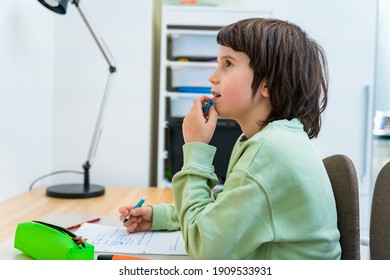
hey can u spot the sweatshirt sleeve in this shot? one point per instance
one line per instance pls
(228, 227)
(164, 217)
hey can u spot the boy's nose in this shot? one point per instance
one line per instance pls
(213, 78)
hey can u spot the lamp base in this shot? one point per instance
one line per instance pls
(74, 191)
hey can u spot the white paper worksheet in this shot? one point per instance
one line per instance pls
(116, 239)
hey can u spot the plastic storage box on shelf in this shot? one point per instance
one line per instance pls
(185, 76)
(179, 106)
(192, 44)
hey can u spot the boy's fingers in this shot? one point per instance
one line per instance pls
(132, 227)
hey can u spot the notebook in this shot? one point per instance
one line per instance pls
(116, 239)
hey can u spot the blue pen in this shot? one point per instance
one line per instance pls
(207, 106)
(138, 205)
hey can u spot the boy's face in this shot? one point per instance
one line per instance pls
(231, 87)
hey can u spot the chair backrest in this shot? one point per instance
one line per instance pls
(343, 177)
(380, 216)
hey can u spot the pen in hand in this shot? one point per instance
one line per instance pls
(138, 205)
(207, 106)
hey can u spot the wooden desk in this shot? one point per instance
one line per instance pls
(35, 205)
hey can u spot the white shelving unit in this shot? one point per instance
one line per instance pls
(188, 57)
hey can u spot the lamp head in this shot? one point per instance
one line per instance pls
(57, 6)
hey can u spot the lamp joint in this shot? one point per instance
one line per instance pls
(112, 69)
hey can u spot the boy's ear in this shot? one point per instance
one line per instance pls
(264, 89)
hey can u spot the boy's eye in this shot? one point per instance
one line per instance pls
(228, 63)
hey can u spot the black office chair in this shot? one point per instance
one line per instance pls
(380, 216)
(343, 177)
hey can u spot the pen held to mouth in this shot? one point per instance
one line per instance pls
(207, 106)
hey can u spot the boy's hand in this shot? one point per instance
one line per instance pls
(199, 126)
(140, 218)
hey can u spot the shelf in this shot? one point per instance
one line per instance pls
(195, 64)
(176, 95)
(196, 32)
(207, 16)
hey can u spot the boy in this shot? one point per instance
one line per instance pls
(277, 201)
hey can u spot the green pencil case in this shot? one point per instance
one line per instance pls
(43, 241)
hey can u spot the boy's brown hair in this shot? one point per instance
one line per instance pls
(292, 66)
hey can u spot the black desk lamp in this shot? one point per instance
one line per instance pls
(86, 189)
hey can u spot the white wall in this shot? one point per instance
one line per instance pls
(25, 94)
(80, 74)
(382, 101)
(52, 79)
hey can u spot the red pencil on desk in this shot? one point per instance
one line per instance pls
(79, 225)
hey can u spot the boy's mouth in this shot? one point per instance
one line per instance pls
(215, 94)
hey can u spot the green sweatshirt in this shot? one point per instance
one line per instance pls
(276, 203)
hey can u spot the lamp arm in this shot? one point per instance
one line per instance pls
(98, 126)
(112, 69)
(99, 40)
